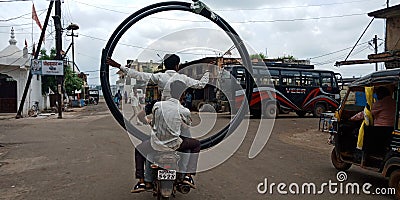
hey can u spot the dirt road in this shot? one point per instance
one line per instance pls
(87, 155)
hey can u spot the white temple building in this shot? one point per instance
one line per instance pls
(14, 71)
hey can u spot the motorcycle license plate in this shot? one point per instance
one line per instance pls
(166, 175)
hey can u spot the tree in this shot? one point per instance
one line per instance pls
(288, 57)
(258, 56)
(71, 81)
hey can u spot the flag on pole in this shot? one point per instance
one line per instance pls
(35, 17)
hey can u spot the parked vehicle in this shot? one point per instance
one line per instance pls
(164, 175)
(380, 151)
(281, 89)
(94, 97)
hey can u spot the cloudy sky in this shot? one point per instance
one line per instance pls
(322, 31)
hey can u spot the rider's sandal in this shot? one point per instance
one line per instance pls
(139, 187)
(189, 180)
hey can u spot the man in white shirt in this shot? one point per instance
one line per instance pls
(168, 118)
(135, 105)
(171, 63)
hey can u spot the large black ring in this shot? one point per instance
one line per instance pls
(169, 6)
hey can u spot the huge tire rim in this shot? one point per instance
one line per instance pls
(171, 6)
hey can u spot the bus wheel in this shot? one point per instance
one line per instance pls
(337, 163)
(301, 113)
(318, 110)
(271, 111)
(394, 182)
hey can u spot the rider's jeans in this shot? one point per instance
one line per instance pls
(188, 145)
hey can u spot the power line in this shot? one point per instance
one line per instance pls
(291, 7)
(145, 48)
(7, 1)
(238, 22)
(327, 54)
(15, 25)
(298, 19)
(341, 57)
(10, 54)
(21, 16)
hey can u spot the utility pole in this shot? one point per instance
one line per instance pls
(375, 40)
(28, 82)
(71, 28)
(60, 79)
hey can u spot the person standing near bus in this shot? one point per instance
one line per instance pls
(188, 100)
(118, 98)
(135, 106)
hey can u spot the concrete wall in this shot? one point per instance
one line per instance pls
(35, 89)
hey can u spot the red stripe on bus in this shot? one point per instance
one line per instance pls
(311, 93)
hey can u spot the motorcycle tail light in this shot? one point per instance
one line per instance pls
(167, 167)
(154, 166)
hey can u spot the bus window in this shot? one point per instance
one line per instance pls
(326, 79)
(310, 79)
(274, 76)
(334, 81)
(264, 78)
(241, 75)
(291, 78)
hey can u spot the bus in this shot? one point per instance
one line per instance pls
(281, 89)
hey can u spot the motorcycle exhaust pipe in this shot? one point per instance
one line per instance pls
(183, 188)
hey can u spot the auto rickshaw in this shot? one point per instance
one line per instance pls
(94, 96)
(380, 145)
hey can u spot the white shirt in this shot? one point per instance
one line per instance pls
(168, 117)
(134, 101)
(163, 80)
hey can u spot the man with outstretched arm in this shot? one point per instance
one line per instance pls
(171, 63)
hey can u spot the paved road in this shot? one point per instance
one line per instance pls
(87, 155)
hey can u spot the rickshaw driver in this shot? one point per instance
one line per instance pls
(382, 110)
(382, 116)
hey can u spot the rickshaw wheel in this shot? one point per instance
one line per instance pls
(337, 163)
(394, 182)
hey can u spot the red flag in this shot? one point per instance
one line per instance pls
(35, 17)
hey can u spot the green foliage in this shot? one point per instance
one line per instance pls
(288, 57)
(258, 56)
(71, 80)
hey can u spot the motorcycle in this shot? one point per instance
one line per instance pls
(92, 100)
(162, 170)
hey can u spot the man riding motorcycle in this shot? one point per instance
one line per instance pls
(168, 118)
(163, 80)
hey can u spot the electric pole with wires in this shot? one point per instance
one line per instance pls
(58, 38)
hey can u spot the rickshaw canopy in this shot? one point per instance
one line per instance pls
(378, 78)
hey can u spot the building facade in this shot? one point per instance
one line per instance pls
(14, 71)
